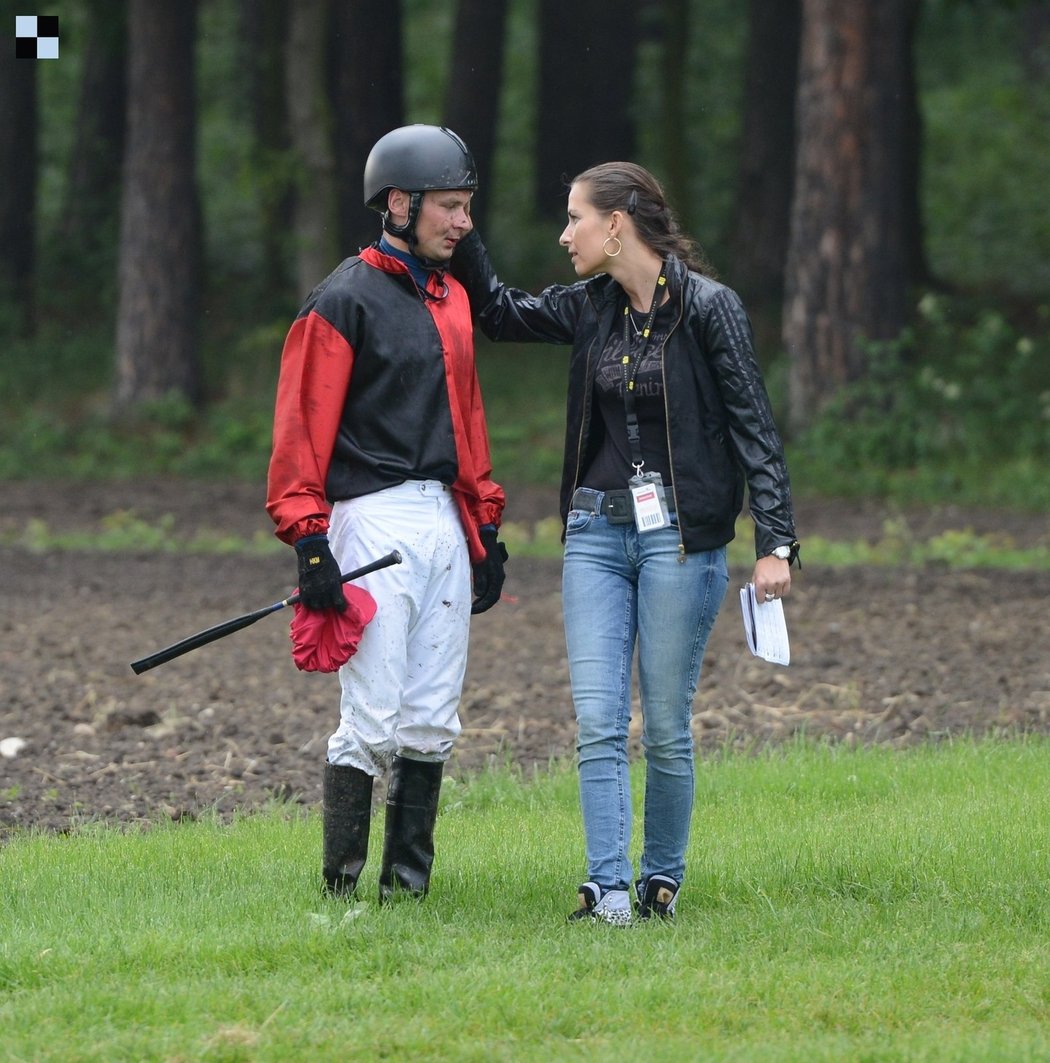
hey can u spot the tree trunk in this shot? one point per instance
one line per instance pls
(310, 118)
(160, 226)
(913, 226)
(1035, 43)
(587, 60)
(472, 97)
(18, 149)
(847, 271)
(264, 32)
(368, 101)
(762, 217)
(92, 206)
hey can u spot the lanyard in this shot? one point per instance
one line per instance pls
(630, 372)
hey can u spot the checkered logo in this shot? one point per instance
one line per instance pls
(36, 36)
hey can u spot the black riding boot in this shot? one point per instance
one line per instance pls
(411, 811)
(347, 814)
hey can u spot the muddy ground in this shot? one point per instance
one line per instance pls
(878, 655)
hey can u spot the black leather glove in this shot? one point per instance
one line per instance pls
(320, 583)
(489, 574)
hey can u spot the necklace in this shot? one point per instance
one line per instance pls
(629, 371)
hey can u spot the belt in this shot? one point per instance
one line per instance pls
(615, 506)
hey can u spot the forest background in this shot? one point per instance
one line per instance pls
(868, 174)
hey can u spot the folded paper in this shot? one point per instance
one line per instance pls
(765, 627)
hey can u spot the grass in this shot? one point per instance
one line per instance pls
(861, 905)
(125, 530)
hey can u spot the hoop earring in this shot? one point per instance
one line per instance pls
(619, 247)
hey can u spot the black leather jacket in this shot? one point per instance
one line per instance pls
(720, 426)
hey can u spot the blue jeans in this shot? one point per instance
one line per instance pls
(620, 587)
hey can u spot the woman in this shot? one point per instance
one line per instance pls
(667, 415)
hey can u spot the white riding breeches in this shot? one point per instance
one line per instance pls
(401, 690)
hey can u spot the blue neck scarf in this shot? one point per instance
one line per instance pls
(419, 272)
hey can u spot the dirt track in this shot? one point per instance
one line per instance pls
(878, 655)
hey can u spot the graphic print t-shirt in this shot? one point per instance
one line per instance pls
(612, 466)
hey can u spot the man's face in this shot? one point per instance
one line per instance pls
(444, 219)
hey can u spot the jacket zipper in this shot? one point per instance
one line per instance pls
(667, 423)
(585, 414)
(583, 423)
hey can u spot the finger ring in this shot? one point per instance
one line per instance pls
(770, 597)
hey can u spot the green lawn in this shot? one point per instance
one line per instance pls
(840, 905)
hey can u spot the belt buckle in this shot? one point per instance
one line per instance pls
(617, 506)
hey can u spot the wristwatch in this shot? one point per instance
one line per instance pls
(788, 553)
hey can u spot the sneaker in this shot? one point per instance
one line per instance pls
(656, 897)
(602, 906)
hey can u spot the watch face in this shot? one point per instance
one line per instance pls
(783, 552)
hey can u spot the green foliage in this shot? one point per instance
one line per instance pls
(427, 41)
(959, 409)
(954, 548)
(985, 147)
(230, 440)
(540, 539)
(524, 391)
(822, 938)
(124, 531)
(526, 250)
(713, 98)
(58, 97)
(232, 185)
(60, 369)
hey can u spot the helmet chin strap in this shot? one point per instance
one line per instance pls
(407, 232)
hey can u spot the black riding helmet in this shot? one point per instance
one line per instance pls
(416, 159)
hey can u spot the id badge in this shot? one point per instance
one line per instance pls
(650, 501)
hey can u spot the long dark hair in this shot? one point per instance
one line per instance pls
(633, 189)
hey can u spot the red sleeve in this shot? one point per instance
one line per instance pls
(480, 498)
(490, 495)
(311, 391)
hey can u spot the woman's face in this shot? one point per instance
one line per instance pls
(585, 235)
